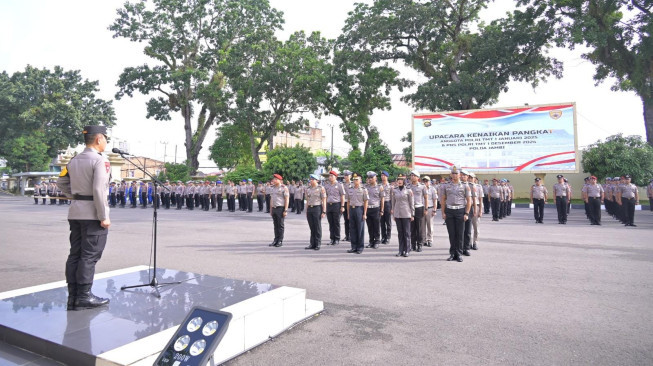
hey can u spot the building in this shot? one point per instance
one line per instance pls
(130, 171)
(311, 138)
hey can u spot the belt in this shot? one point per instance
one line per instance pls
(314, 206)
(278, 206)
(80, 197)
(372, 206)
(454, 207)
(418, 206)
(355, 206)
(561, 196)
(596, 198)
(333, 203)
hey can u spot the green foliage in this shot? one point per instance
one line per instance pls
(408, 150)
(334, 163)
(377, 158)
(620, 155)
(246, 172)
(231, 148)
(618, 35)
(189, 41)
(45, 111)
(293, 163)
(467, 63)
(175, 172)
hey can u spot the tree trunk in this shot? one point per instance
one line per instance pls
(186, 113)
(648, 119)
(252, 146)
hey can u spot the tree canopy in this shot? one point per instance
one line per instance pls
(293, 163)
(619, 155)
(231, 148)
(43, 111)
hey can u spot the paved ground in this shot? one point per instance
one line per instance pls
(533, 294)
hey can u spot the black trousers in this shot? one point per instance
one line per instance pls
(242, 202)
(212, 196)
(386, 221)
(345, 215)
(260, 199)
(496, 205)
(403, 233)
(197, 200)
(594, 208)
(205, 202)
(133, 198)
(650, 203)
(291, 203)
(173, 198)
(267, 203)
(219, 202)
(190, 202)
(112, 199)
(416, 228)
(166, 199)
(456, 228)
(374, 224)
(628, 210)
(486, 204)
(333, 217)
(314, 218)
(357, 228)
(538, 209)
(561, 206)
(467, 242)
(503, 210)
(144, 199)
(231, 202)
(87, 241)
(179, 200)
(250, 202)
(508, 207)
(278, 222)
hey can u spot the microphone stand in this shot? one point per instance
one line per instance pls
(154, 283)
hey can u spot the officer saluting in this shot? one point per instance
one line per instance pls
(86, 178)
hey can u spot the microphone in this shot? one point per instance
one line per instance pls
(116, 150)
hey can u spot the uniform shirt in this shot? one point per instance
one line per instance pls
(87, 174)
(375, 194)
(486, 189)
(346, 187)
(334, 191)
(494, 191)
(593, 190)
(387, 192)
(249, 188)
(628, 190)
(403, 204)
(357, 196)
(292, 189)
(260, 190)
(456, 194)
(278, 195)
(479, 194)
(472, 189)
(560, 189)
(431, 193)
(314, 195)
(419, 190)
(299, 192)
(539, 192)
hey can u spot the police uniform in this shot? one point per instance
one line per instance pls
(456, 201)
(562, 193)
(649, 193)
(86, 178)
(179, 194)
(594, 194)
(299, 197)
(628, 198)
(220, 192)
(374, 208)
(417, 225)
(403, 211)
(486, 198)
(467, 242)
(386, 217)
(112, 194)
(279, 200)
(43, 191)
(357, 201)
(430, 209)
(495, 199)
(478, 212)
(260, 196)
(346, 184)
(335, 203)
(316, 202)
(249, 193)
(267, 197)
(539, 196)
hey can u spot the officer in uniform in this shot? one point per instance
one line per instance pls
(299, 197)
(486, 197)
(478, 210)
(144, 189)
(279, 200)
(52, 192)
(628, 198)
(430, 210)
(456, 201)
(374, 210)
(649, 193)
(335, 205)
(417, 225)
(190, 195)
(220, 192)
(357, 201)
(316, 201)
(495, 198)
(593, 196)
(291, 191)
(562, 193)
(179, 194)
(260, 195)
(132, 194)
(467, 242)
(86, 179)
(386, 216)
(166, 193)
(122, 188)
(539, 196)
(112, 194)
(511, 195)
(43, 192)
(267, 196)
(609, 198)
(346, 184)
(249, 193)
(231, 196)
(403, 211)
(36, 193)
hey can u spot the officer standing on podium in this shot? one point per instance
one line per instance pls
(86, 179)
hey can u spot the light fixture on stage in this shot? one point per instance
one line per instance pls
(191, 347)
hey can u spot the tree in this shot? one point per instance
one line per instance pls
(408, 150)
(618, 33)
(273, 85)
(45, 111)
(293, 163)
(246, 172)
(189, 40)
(175, 172)
(377, 159)
(231, 148)
(619, 155)
(467, 63)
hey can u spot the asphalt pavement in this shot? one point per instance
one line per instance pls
(532, 294)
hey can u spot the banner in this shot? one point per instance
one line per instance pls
(518, 140)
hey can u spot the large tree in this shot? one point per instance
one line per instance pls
(231, 148)
(619, 155)
(188, 40)
(293, 163)
(466, 63)
(43, 111)
(618, 34)
(274, 85)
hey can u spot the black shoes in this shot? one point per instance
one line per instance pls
(419, 248)
(72, 293)
(86, 300)
(346, 238)
(466, 253)
(309, 247)
(474, 247)
(384, 241)
(279, 244)
(274, 243)
(351, 251)
(451, 258)
(359, 252)
(459, 259)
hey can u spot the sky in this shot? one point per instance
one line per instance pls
(74, 35)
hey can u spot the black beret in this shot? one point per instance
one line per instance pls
(92, 130)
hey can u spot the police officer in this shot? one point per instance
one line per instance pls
(511, 195)
(132, 194)
(539, 196)
(346, 183)
(144, 191)
(386, 217)
(52, 192)
(86, 178)
(628, 198)
(374, 210)
(456, 201)
(335, 205)
(166, 193)
(562, 193)
(486, 197)
(467, 242)
(593, 195)
(279, 200)
(260, 195)
(403, 211)
(299, 197)
(417, 225)
(220, 192)
(37, 187)
(477, 205)
(43, 192)
(316, 201)
(430, 210)
(249, 195)
(495, 198)
(357, 201)
(112, 194)
(649, 193)
(122, 188)
(190, 195)
(267, 196)
(179, 194)
(291, 191)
